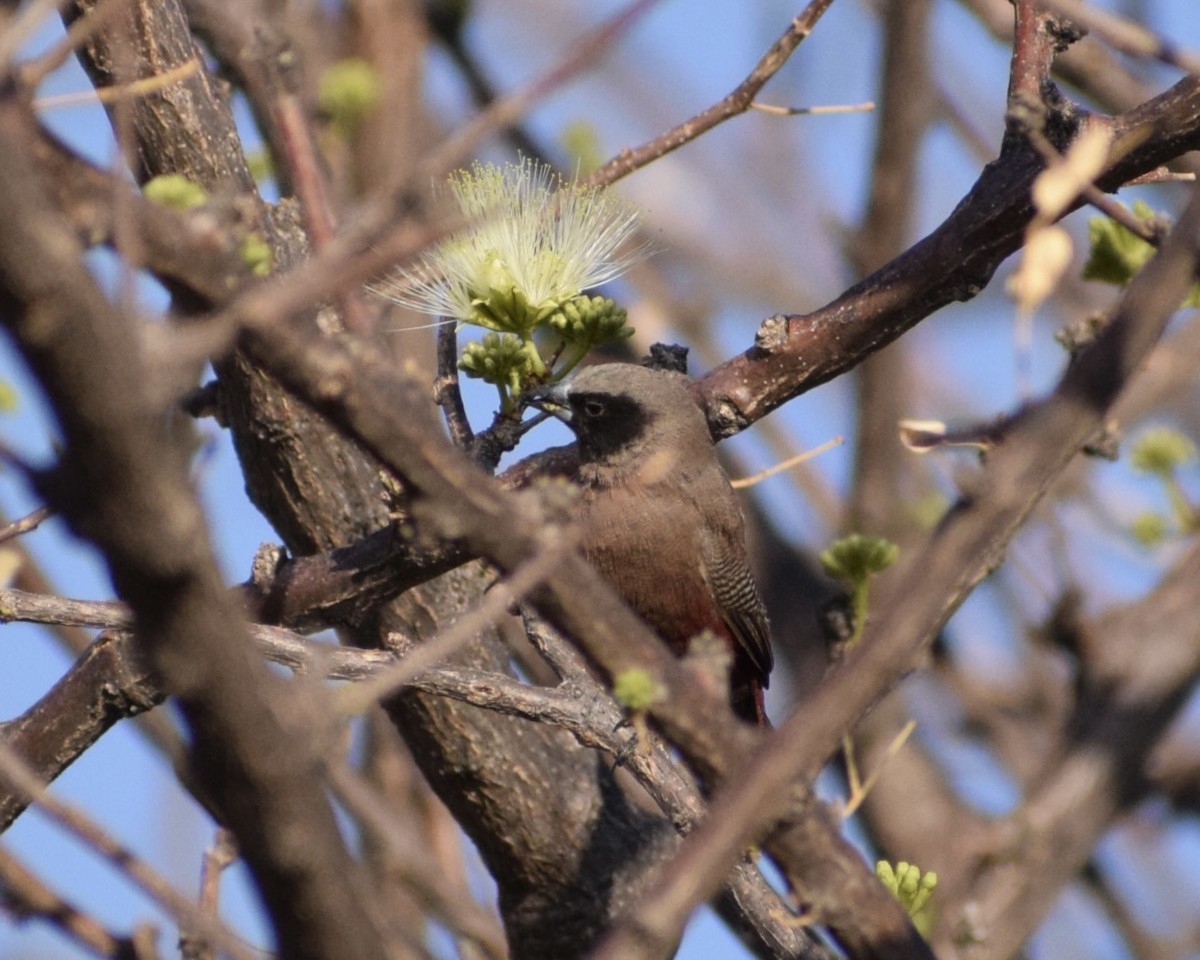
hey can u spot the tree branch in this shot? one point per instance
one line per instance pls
(123, 484)
(737, 102)
(793, 354)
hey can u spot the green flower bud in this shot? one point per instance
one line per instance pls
(636, 690)
(348, 92)
(501, 359)
(497, 303)
(1160, 450)
(855, 558)
(582, 144)
(1149, 529)
(590, 321)
(906, 882)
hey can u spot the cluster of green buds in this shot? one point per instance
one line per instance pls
(179, 193)
(519, 271)
(911, 887)
(503, 359)
(636, 690)
(348, 92)
(854, 560)
(584, 323)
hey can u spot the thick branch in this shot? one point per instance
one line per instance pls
(124, 485)
(795, 353)
(349, 383)
(923, 595)
(1144, 661)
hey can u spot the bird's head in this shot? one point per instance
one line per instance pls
(626, 416)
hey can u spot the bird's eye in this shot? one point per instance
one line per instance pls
(593, 408)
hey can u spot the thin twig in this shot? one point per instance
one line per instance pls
(445, 389)
(1125, 35)
(124, 91)
(859, 791)
(742, 483)
(20, 27)
(737, 102)
(507, 110)
(563, 658)
(217, 857)
(1162, 175)
(493, 606)
(26, 896)
(79, 32)
(1033, 54)
(602, 727)
(580, 705)
(26, 523)
(293, 136)
(466, 918)
(26, 607)
(1097, 197)
(778, 111)
(20, 778)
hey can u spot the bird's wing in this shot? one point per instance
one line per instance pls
(736, 593)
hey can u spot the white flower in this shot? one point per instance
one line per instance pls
(537, 242)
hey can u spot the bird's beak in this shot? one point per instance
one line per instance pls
(553, 399)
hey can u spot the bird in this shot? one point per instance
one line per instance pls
(659, 519)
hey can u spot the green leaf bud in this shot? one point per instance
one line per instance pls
(636, 690)
(1149, 529)
(174, 190)
(256, 254)
(855, 558)
(1160, 451)
(348, 92)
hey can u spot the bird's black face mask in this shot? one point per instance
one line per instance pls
(604, 423)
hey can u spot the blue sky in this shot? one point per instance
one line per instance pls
(684, 56)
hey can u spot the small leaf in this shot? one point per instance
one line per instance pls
(1117, 254)
(174, 190)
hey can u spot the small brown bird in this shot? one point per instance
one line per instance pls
(660, 521)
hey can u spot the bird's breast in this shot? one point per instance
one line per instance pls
(648, 550)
